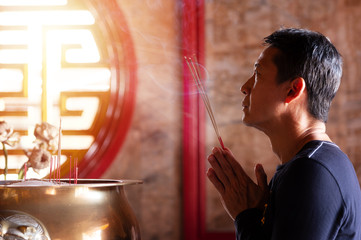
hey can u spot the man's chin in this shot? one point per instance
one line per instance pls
(247, 122)
(253, 124)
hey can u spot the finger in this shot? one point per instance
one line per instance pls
(235, 165)
(236, 175)
(222, 161)
(212, 176)
(219, 171)
(261, 177)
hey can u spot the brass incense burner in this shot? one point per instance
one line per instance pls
(91, 209)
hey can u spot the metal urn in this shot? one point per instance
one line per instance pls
(91, 209)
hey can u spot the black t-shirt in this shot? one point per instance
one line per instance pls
(316, 195)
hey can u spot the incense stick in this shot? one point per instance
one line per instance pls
(76, 171)
(196, 75)
(70, 169)
(59, 148)
(58, 170)
(51, 168)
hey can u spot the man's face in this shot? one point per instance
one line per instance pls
(264, 97)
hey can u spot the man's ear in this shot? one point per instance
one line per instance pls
(297, 87)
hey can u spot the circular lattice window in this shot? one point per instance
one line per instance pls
(70, 60)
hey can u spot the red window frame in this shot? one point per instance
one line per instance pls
(122, 101)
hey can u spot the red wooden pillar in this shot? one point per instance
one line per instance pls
(194, 156)
(193, 121)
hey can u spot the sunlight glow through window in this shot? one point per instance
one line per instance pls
(46, 55)
(33, 2)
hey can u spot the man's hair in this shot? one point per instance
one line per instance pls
(310, 55)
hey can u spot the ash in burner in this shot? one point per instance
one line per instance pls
(36, 182)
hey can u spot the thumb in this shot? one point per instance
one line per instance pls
(261, 177)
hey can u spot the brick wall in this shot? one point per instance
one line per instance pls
(234, 29)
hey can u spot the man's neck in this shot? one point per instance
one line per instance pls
(287, 142)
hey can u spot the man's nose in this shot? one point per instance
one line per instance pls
(245, 89)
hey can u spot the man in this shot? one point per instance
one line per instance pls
(314, 193)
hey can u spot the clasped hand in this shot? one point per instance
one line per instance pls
(238, 191)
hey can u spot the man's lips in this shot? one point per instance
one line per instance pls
(245, 106)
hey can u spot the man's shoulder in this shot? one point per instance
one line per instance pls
(320, 163)
(326, 154)
(321, 180)
(326, 159)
